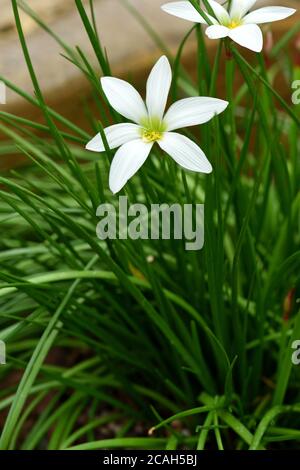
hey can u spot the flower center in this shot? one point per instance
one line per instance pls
(234, 24)
(152, 129)
(149, 135)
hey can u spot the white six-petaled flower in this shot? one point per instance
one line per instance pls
(238, 23)
(151, 124)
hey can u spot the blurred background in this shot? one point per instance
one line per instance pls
(130, 47)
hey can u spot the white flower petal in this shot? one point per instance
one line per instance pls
(116, 135)
(239, 8)
(185, 152)
(193, 111)
(249, 36)
(217, 32)
(186, 11)
(124, 98)
(219, 11)
(268, 14)
(126, 162)
(158, 87)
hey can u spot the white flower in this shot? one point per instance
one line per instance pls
(237, 23)
(151, 125)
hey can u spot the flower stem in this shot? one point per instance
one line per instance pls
(229, 74)
(212, 89)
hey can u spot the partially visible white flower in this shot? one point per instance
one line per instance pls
(237, 23)
(151, 125)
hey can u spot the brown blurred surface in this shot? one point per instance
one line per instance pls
(125, 39)
(130, 49)
(128, 44)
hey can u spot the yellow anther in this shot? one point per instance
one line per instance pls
(234, 24)
(151, 136)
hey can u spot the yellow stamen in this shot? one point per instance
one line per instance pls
(151, 136)
(234, 24)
